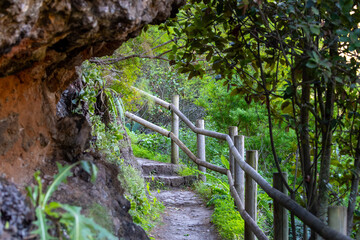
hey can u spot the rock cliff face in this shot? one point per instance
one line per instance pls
(41, 43)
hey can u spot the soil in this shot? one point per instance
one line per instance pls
(185, 217)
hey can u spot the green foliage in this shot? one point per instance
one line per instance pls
(265, 213)
(101, 95)
(100, 88)
(187, 171)
(225, 162)
(49, 215)
(217, 100)
(299, 60)
(150, 146)
(226, 218)
(107, 138)
(145, 209)
(104, 94)
(78, 226)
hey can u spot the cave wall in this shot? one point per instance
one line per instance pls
(41, 43)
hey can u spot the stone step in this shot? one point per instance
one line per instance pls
(160, 174)
(170, 181)
(158, 168)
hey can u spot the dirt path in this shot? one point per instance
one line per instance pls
(185, 217)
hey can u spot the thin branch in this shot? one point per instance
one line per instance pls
(109, 61)
(122, 58)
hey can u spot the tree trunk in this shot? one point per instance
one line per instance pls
(354, 188)
(305, 137)
(326, 153)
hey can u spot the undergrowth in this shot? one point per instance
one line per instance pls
(142, 152)
(187, 171)
(145, 208)
(225, 217)
(143, 146)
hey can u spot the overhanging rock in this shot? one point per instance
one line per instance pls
(41, 43)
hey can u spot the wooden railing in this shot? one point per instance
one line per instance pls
(249, 217)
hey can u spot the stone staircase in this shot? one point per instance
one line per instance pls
(160, 174)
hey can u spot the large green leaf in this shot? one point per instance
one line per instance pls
(225, 162)
(42, 226)
(64, 172)
(81, 227)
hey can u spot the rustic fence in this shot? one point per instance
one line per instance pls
(243, 178)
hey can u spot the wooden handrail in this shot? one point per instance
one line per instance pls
(181, 145)
(195, 129)
(247, 218)
(155, 99)
(148, 124)
(252, 224)
(307, 217)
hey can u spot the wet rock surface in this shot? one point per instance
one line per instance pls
(185, 218)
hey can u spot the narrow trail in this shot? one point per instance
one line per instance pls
(185, 218)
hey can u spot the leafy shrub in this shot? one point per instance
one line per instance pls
(226, 218)
(187, 171)
(142, 152)
(145, 209)
(147, 146)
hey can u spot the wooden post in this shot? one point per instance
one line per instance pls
(239, 173)
(201, 148)
(337, 217)
(175, 131)
(281, 222)
(251, 192)
(232, 132)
